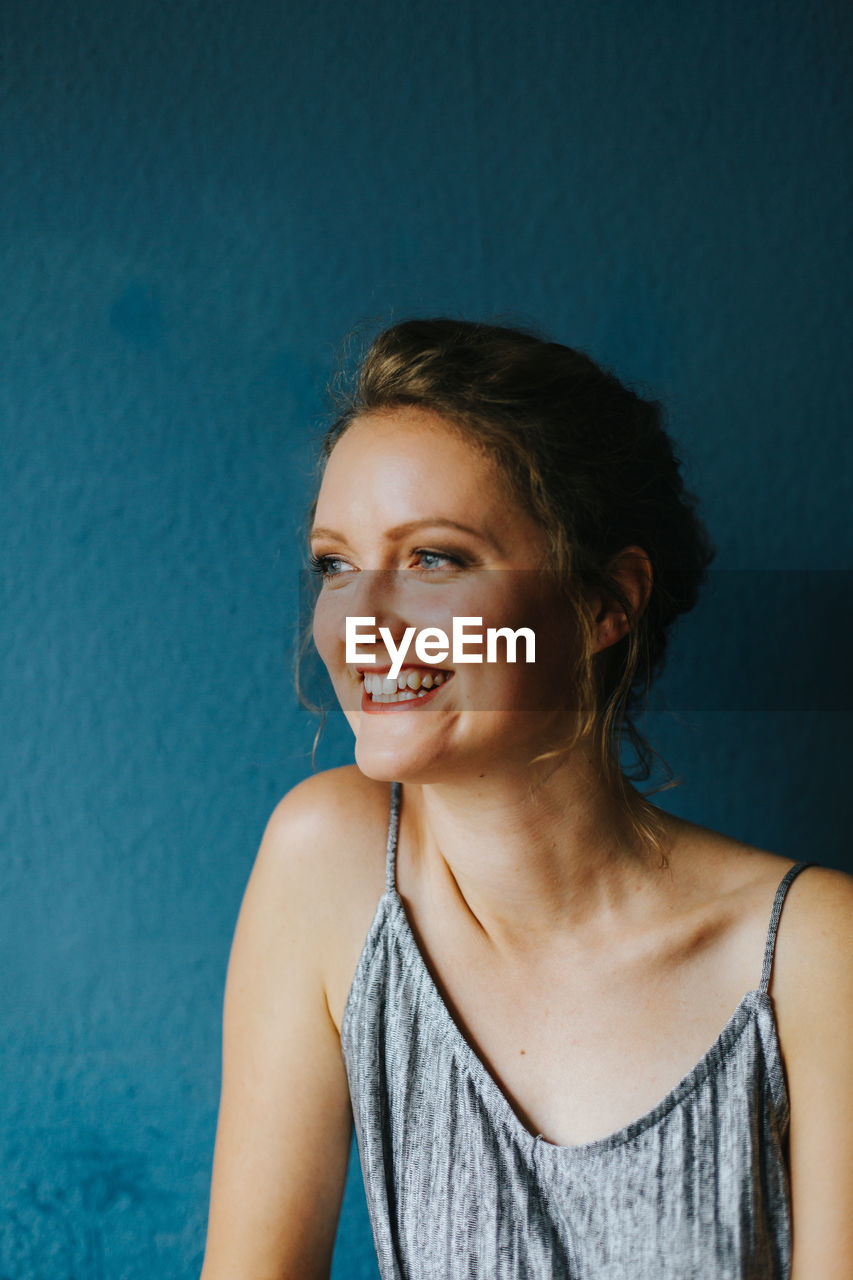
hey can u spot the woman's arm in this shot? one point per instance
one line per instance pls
(813, 997)
(285, 1122)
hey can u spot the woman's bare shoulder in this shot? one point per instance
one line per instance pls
(738, 865)
(812, 991)
(738, 881)
(814, 949)
(719, 865)
(334, 800)
(814, 939)
(333, 823)
(325, 841)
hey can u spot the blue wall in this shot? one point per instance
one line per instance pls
(199, 200)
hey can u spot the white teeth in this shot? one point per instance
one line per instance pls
(409, 685)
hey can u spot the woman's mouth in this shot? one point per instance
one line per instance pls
(413, 687)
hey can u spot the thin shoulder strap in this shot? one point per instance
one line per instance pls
(769, 949)
(393, 829)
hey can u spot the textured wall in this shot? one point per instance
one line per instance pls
(199, 199)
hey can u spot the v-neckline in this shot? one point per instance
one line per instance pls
(745, 1010)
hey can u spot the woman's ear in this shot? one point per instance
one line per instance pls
(632, 569)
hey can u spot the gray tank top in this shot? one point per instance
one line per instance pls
(458, 1189)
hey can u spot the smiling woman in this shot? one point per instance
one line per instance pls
(471, 995)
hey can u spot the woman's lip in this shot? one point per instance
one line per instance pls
(408, 704)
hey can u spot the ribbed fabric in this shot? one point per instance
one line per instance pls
(458, 1189)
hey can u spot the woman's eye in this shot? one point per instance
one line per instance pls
(327, 566)
(437, 560)
(332, 566)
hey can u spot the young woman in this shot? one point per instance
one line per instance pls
(577, 1035)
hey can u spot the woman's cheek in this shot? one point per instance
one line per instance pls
(328, 635)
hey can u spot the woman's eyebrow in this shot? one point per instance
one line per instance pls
(402, 530)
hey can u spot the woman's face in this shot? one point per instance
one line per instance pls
(413, 527)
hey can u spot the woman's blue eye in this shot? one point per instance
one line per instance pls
(325, 566)
(428, 559)
(330, 566)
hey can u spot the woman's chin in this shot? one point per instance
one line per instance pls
(401, 762)
(385, 765)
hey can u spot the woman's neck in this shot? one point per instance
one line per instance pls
(531, 857)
